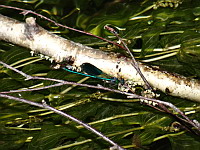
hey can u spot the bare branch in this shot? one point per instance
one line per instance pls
(34, 89)
(28, 77)
(60, 50)
(134, 62)
(44, 105)
(25, 12)
(130, 95)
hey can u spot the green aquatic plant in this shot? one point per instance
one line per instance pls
(170, 32)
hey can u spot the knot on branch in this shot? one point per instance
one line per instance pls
(31, 28)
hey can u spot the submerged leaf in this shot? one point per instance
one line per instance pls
(50, 136)
(11, 139)
(189, 53)
(185, 142)
(150, 40)
(127, 123)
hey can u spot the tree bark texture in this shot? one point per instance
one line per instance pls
(55, 48)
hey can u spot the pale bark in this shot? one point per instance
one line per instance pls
(58, 49)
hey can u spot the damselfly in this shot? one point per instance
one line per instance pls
(91, 71)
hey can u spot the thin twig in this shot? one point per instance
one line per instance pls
(61, 82)
(87, 126)
(44, 105)
(25, 12)
(32, 89)
(194, 123)
(28, 77)
(16, 70)
(134, 62)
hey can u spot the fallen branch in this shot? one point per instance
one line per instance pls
(58, 49)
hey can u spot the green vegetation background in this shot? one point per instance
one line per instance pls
(129, 124)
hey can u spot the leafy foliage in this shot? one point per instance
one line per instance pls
(129, 124)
